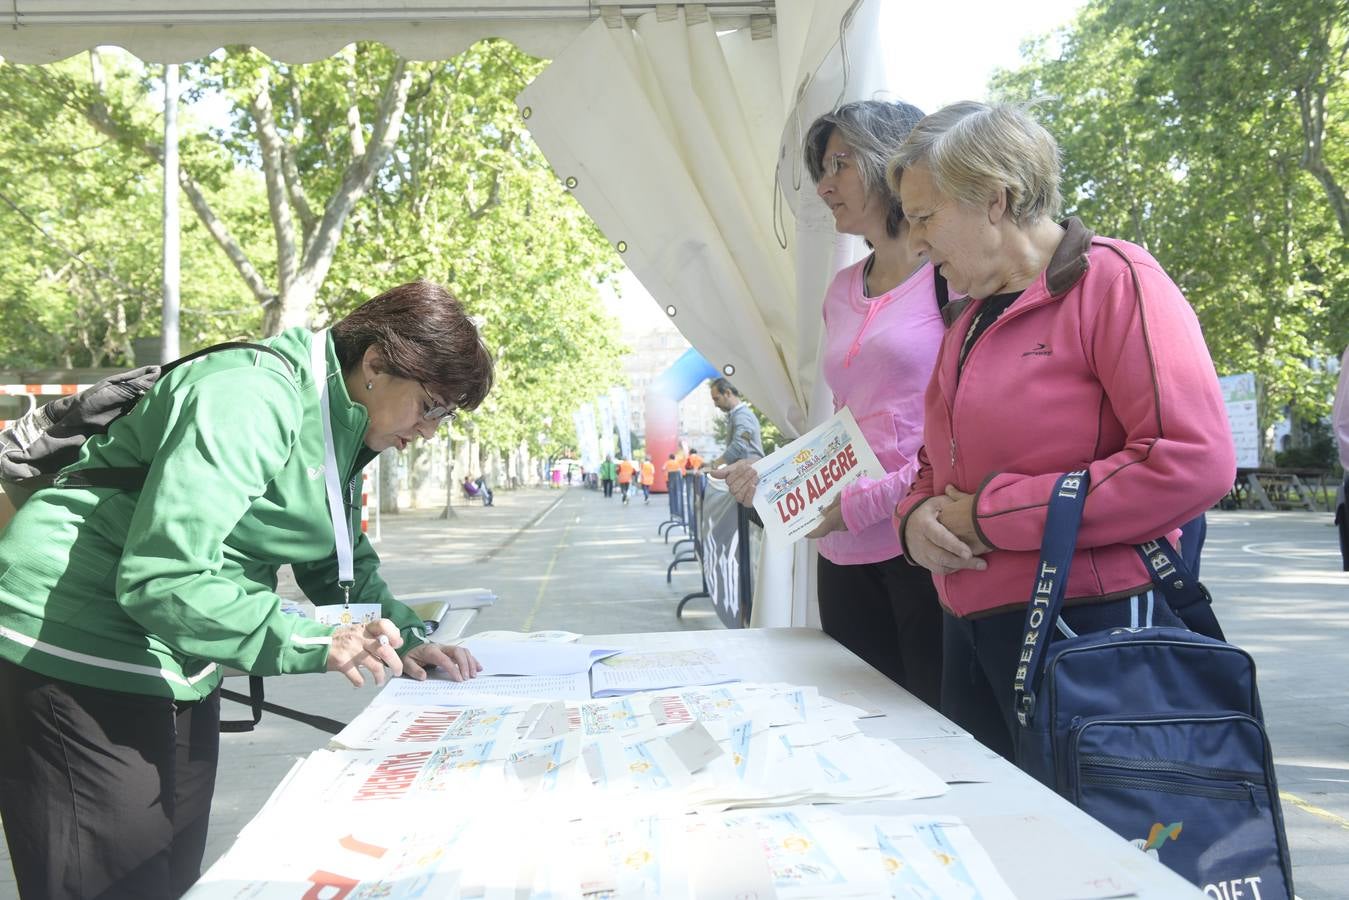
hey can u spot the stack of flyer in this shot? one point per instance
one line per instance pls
(678, 792)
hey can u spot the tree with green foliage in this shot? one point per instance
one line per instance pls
(469, 200)
(79, 235)
(1215, 138)
(328, 183)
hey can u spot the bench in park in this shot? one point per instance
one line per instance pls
(1275, 488)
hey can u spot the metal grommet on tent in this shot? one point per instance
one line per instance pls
(526, 112)
(622, 246)
(670, 310)
(571, 182)
(728, 370)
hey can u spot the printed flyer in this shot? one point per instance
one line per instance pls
(799, 481)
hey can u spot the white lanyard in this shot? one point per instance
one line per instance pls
(318, 364)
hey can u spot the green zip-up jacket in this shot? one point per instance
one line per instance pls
(153, 592)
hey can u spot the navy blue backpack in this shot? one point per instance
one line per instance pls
(1155, 732)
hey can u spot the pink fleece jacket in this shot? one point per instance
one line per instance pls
(1086, 368)
(878, 357)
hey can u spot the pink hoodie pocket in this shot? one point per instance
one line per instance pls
(881, 431)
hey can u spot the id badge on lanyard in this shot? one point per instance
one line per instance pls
(349, 613)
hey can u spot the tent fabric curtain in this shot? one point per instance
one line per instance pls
(671, 136)
(670, 149)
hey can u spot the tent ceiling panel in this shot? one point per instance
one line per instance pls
(41, 31)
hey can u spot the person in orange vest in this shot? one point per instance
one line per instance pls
(674, 464)
(694, 463)
(648, 478)
(625, 470)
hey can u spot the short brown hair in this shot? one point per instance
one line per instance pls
(424, 335)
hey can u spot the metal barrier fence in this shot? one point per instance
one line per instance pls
(719, 537)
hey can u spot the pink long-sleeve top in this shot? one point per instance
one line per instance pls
(1099, 364)
(878, 357)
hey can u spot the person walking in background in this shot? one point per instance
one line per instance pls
(647, 478)
(693, 463)
(1340, 416)
(1075, 351)
(120, 609)
(674, 464)
(625, 470)
(883, 323)
(608, 472)
(744, 437)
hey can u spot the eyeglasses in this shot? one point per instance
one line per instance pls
(437, 412)
(835, 162)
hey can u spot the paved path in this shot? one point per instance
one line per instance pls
(572, 559)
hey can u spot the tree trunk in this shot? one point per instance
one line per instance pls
(388, 482)
(451, 485)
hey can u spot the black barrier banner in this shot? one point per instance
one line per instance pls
(723, 529)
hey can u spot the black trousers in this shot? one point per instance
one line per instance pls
(888, 614)
(608, 487)
(103, 794)
(980, 658)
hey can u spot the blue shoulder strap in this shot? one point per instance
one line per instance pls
(1051, 577)
(1184, 593)
(1170, 574)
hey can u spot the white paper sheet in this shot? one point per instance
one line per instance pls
(655, 670)
(482, 690)
(369, 856)
(533, 657)
(397, 725)
(533, 637)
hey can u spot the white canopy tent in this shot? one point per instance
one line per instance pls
(677, 126)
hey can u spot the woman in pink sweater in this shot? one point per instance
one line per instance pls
(883, 326)
(1076, 351)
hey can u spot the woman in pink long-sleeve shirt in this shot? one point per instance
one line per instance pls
(883, 327)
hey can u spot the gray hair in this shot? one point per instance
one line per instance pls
(975, 151)
(874, 130)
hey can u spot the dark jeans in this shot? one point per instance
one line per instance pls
(608, 487)
(888, 614)
(980, 658)
(103, 794)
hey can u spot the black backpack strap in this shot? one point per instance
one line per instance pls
(257, 704)
(950, 311)
(132, 478)
(227, 345)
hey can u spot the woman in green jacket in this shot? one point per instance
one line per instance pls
(119, 609)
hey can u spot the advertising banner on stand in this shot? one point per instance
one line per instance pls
(590, 450)
(618, 398)
(725, 533)
(606, 425)
(578, 419)
(1243, 417)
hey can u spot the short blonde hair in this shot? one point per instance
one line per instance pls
(975, 151)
